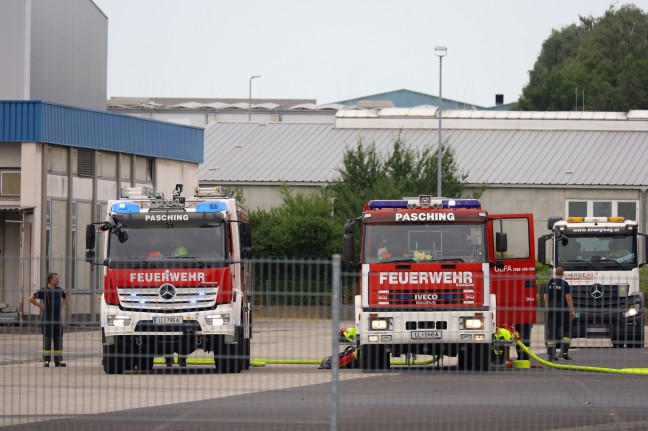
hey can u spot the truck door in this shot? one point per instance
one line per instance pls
(514, 284)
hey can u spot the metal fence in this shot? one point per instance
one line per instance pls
(299, 307)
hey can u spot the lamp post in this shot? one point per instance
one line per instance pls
(440, 51)
(250, 97)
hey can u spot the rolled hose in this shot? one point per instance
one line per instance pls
(635, 371)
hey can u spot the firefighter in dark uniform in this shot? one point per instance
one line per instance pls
(558, 298)
(53, 298)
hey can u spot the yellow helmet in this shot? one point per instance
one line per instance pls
(180, 251)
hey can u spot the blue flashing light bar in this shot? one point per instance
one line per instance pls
(413, 204)
(462, 203)
(122, 207)
(375, 205)
(211, 207)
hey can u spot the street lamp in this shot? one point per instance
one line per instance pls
(440, 51)
(250, 97)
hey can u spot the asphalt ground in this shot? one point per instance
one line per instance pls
(81, 396)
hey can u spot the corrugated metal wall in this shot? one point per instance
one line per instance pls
(35, 121)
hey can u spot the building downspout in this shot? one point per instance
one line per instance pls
(642, 217)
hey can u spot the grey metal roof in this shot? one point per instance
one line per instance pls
(495, 154)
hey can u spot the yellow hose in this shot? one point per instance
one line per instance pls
(637, 371)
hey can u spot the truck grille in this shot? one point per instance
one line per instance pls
(597, 298)
(426, 297)
(165, 298)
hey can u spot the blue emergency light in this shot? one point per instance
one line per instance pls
(122, 207)
(412, 204)
(375, 205)
(211, 207)
(462, 203)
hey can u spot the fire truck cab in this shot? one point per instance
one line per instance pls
(436, 276)
(176, 278)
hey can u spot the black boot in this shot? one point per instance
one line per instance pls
(551, 354)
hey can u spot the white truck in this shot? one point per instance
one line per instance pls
(176, 278)
(600, 256)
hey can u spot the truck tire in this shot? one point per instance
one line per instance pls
(246, 354)
(113, 362)
(636, 338)
(373, 358)
(228, 358)
(475, 357)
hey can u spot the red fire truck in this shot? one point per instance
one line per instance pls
(437, 276)
(176, 279)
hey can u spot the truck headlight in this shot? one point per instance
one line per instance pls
(218, 319)
(117, 320)
(380, 324)
(472, 323)
(633, 310)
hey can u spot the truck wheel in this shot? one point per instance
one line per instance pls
(113, 361)
(246, 354)
(145, 363)
(637, 339)
(475, 357)
(373, 358)
(228, 357)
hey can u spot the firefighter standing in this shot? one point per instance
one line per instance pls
(53, 299)
(557, 297)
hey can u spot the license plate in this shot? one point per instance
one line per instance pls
(425, 335)
(163, 320)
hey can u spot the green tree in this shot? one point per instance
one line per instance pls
(366, 175)
(606, 58)
(301, 228)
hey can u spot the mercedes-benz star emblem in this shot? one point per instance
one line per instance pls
(167, 291)
(596, 291)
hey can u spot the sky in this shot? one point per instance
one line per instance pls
(331, 50)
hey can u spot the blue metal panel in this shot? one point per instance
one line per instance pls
(36, 121)
(20, 121)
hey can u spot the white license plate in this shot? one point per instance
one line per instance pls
(163, 320)
(425, 335)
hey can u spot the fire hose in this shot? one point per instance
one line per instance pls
(636, 371)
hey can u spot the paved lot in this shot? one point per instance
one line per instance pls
(301, 393)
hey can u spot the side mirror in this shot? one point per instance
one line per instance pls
(348, 251)
(245, 235)
(542, 250)
(122, 235)
(90, 243)
(501, 242)
(90, 237)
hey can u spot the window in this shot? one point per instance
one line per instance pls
(108, 165)
(598, 208)
(602, 209)
(10, 183)
(125, 166)
(577, 209)
(57, 160)
(144, 169)
(517, 231)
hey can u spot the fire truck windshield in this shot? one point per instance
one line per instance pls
(424, 243)
(184, 244)
(598, 252)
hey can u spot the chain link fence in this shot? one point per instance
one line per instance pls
(298, 309)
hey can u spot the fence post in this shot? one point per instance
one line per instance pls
(335, 319)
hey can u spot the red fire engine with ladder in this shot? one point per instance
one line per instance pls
(436, 277)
